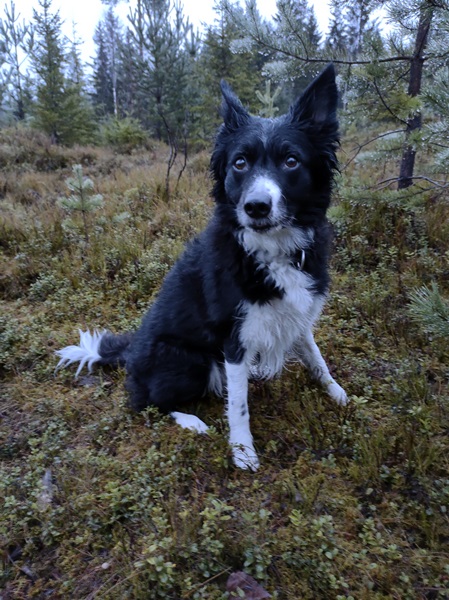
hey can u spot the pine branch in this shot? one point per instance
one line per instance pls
(430, 310)
(385, 105)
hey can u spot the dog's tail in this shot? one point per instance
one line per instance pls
(103, 348)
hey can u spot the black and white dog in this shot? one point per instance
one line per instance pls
(244, 296)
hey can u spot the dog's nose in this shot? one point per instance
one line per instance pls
(258, 209)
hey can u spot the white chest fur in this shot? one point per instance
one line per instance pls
(269, 331)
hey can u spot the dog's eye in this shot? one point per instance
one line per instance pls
(240, 163)
(291, 162)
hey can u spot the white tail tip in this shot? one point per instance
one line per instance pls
(87, 352)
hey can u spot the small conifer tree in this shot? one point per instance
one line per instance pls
(82, 199)
(268, 99)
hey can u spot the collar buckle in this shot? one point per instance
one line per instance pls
(299, 263)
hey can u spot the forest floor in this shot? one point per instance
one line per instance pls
(100, 502)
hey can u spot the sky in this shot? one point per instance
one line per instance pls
(87, 13)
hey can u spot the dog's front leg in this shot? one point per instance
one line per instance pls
(240, 437)
(309, 353)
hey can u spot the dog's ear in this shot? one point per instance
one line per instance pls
(232, 110)
(318, 103)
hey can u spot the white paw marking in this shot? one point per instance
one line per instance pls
(337, 393)
(245, 457)
(189, 422)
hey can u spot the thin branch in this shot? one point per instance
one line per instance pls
(386, 182)
(360, 147)
(294, 30)
(438, 144)
(172, 156)
(385, 105)
(184, 164)
(325, 60)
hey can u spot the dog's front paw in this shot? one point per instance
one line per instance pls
(245, 457)
(337, 393)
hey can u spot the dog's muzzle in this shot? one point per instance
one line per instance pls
(258, 208)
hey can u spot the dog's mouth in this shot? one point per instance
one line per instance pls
(261, 227)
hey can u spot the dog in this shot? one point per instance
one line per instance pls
(244, 296)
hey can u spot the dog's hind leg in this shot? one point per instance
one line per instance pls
(240, 437)
(310, 355)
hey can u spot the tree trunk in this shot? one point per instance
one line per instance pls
(414, 89)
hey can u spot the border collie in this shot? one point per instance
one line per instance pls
(244, 296)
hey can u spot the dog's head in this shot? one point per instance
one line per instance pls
(275, 173)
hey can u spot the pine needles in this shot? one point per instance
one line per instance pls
(430, 310)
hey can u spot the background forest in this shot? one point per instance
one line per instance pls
(104, 177)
